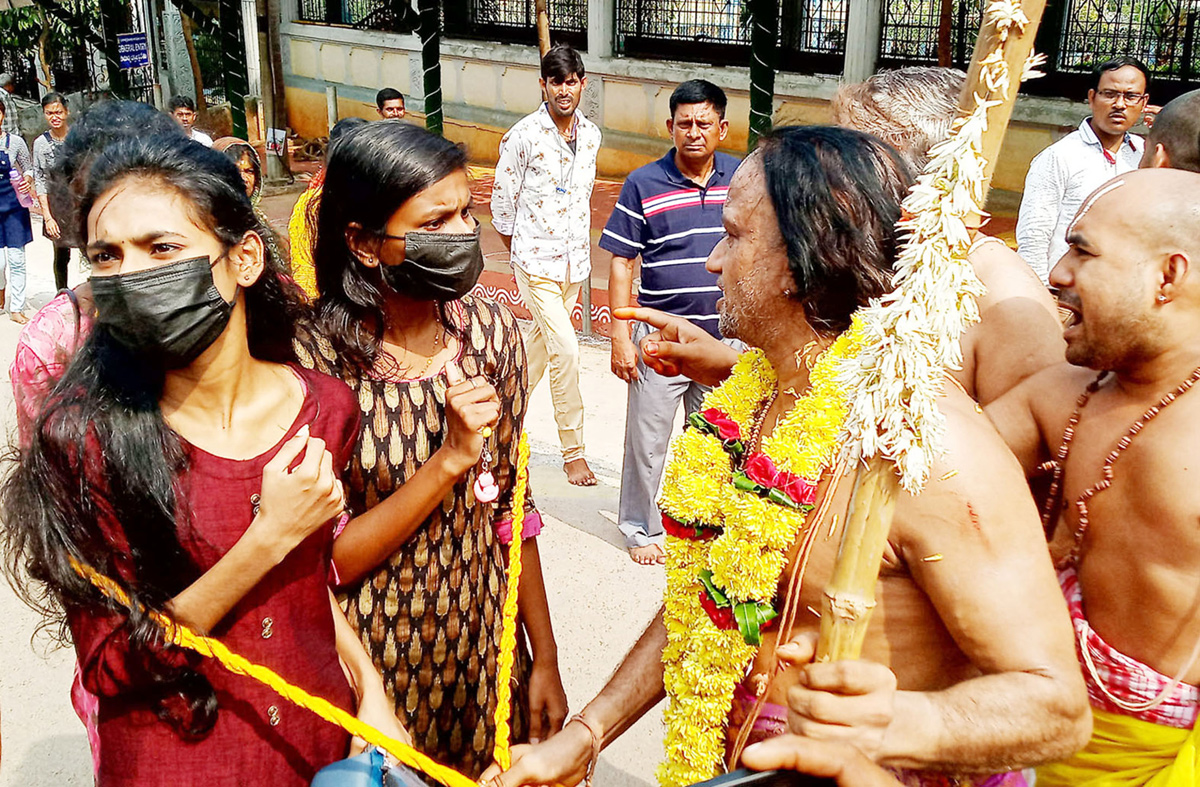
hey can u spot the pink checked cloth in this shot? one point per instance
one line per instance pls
(1126, 678)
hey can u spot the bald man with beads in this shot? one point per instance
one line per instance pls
(1116, 427)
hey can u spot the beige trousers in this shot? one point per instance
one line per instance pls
(553, 343)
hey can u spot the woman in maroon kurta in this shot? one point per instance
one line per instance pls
(185, 455)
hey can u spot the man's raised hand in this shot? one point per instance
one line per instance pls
(678, 347)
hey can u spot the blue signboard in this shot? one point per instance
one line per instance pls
(133, 49)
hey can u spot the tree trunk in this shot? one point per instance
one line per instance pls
(43, 60)
(431, 63)
(543, 27)
(197, 77)
(945, 43)
(764, 33)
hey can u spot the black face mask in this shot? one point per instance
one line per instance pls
(437, 266)
(169, 315)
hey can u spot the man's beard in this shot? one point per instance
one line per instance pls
(727, 325)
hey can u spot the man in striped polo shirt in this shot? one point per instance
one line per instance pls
(669, 214)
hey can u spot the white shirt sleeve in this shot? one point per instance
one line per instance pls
(510, 174)
(1038, 216)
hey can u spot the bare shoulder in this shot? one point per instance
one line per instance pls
(1006, 275)
(975, 491)
(1052, 393)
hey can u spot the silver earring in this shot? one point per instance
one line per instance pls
(1161, 298)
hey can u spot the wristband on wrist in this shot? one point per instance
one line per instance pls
(597, 742)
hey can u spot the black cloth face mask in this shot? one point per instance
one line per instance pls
(438, 266)
(169, 315)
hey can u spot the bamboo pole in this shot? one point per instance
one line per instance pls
(543, 27)
(850, 595)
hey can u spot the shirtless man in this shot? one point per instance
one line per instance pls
(968, 665)
(1131, 278)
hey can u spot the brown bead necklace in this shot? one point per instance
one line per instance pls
(1106, 472)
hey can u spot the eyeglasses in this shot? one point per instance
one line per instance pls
(1112, 95)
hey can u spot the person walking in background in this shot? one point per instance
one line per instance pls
(541, 206)
(45, 150)
(16, 231)
(669, 214)
(389, 103)
(9, 108)
(183, 109)
(1063, 174)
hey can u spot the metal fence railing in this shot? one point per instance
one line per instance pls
(1076, 35)
(812, 33)
(503, 21)
(514, 21)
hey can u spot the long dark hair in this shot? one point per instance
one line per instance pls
(369, 175)
(101, 440)
(837, 195)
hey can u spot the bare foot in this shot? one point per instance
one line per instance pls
(578, 472)
(648, 555)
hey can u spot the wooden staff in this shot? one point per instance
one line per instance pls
(543, 27)
(850, 595)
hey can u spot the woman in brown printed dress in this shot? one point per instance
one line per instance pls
(422, 565)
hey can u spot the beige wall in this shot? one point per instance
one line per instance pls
(486, 87)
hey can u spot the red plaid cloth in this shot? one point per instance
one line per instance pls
(1126, 678)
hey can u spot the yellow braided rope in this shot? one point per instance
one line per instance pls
(508, 624)
(184, 637)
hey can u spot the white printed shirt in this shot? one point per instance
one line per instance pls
(1060, 178)
(542, 196)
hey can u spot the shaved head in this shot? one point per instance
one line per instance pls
(1174, 140)
(1131, 276)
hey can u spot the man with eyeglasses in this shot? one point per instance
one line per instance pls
(1101, 148)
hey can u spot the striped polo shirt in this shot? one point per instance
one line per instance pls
(673, 225)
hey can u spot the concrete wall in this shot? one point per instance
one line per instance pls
(487, 87)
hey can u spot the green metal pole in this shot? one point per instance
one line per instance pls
(233, 61)
(764, 36)
(431, 62)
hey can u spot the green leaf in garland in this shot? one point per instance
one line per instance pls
(715, 593)
(743, 483)
(747, 623)
(779, 498)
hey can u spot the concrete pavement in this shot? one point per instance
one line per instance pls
(599, 599)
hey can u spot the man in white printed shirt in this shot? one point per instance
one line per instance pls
(541, 206)
(1063, 174)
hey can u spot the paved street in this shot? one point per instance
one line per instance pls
(599, 599)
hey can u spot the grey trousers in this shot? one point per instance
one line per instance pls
(653, 403)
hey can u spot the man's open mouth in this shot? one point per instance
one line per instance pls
(1069, 315)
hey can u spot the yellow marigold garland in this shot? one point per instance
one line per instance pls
(703, 663)
(508, 624)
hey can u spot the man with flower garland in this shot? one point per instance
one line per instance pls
(968, 669)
